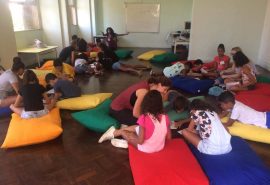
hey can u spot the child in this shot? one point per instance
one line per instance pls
(81, 64)
(67, 54)
(210, 137)
(31, 95)
(242, 112)
(62, 88)
(60, 70)
(152, 130)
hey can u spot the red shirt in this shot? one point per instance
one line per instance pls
(222, 62)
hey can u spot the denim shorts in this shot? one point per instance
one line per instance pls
(116, 66)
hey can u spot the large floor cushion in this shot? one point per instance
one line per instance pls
(239, 167)
(150, 54)
(97, 119)
(263, 79)
(192, 85)
(250, 132)
(174, 165)
(260, 88)
(5, 111)
(41, 75)
(83, 102)
(258, 102)
(23, 132)
(165, 58)
(123, 53)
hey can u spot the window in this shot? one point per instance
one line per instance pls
(24, 14)
(73, 11)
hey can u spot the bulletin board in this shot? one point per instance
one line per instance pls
(142, 17)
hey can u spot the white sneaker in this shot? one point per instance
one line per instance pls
(119, 143)
(107, 135)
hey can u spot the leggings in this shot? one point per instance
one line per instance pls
(124, 116)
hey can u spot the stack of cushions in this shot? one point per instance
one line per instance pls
(150, 54)
(192, 85)
(123, 53)
(97, 119)
(22, 132)
(239, 167)
(174, 165)
(5, 111)
(250, 132)
(83, 102)
(164, 58)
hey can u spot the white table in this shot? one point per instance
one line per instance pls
(39, 51)
(180, 42)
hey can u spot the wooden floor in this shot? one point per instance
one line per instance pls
(75, 158)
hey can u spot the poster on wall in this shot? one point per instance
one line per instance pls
(142, 17)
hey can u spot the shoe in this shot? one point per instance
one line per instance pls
(107, 135)
(180, 132)
(119, 143)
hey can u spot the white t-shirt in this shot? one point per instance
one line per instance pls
(80, 62)
(6, 79)
(173, 70)
(247, 115)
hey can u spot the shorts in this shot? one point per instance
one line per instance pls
(206, 148)
(124, 116)
(80, 69)
(268, 119)
(116, 66)
(34, 114)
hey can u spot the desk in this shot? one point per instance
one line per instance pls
(38, 52)
(180, 42)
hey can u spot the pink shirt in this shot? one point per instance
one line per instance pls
(222, 62)
(148, 125)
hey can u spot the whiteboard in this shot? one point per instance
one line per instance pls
(142, 17)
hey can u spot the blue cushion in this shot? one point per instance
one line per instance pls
(5, 111)
(241, 166)
(192, 85)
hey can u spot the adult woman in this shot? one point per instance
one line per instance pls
(111, 38)
(126, 107)
(9, 83)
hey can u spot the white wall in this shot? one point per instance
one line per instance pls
(25, 39)
(7, 37)
(264, 53)
(232, 22)
(84, 19)
(173, 14)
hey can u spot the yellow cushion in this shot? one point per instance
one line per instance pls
(150, 54)
(93, 54)
(22, 132)
(83, 102)
(47, 65)
(249, 132)
(67, 69)
(41, 75)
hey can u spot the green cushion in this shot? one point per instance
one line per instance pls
(165, 58)
(263, 79)
(174, 116)
(97, 119)
(123, 53)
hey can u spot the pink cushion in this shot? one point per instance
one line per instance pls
(174, 165)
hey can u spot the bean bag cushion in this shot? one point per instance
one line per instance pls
(5, 111)
(250, 132)
(97, 119)
(22, 132)
(260, 88)
(83, 102)
(258, 102)
(164, 58)
(239, 167)
(150, 54)
(41, 75)
(123, 53)
(192, 85)
(263, 79)
(174, 165)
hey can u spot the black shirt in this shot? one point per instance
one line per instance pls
(32, 97)
(66, 53)
(108, 58)
(67, 89)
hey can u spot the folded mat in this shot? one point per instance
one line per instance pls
(241, 166)
(174, 165)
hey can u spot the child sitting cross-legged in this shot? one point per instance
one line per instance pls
(210, 136)
(152, 130)
(242, 112)
(31, 96)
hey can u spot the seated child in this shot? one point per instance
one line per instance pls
(61, 70)
(242, 112)
(62, 88)
(67, 53)
(31, 95)
(210, 136)
(152, 130)
(82, 65)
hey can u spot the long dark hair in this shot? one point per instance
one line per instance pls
(198, 104)
(29, 77)
(240, 59)
(112, 31)
(221, 46)
(152, 104)
(17, 64)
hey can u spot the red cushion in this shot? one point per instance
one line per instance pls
(257, 102)
(261, 89)
(174, 165)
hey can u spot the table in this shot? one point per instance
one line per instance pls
(39, 51)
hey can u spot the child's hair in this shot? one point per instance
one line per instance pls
(163, 80)
(98, 40)
(57, 62)
(17, 64)
(221, 46)
(152, 104)
(240, 59)
(226, 97)
(198, 104)
(82, 45)
(180, 103)
(103, 47)
(81, 56)
(29, 77)
(49, 77)
(198, 62)
(112, 31)
(236, 49)
(74, 37)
